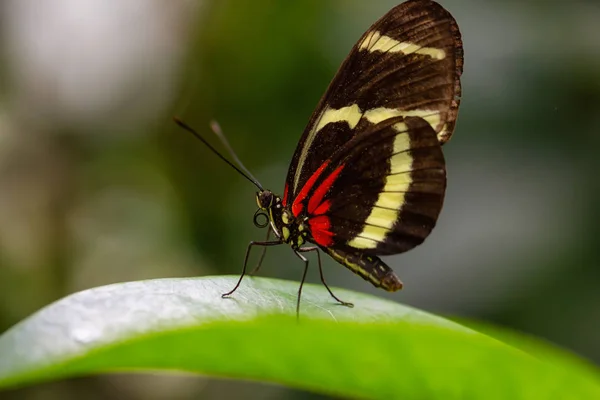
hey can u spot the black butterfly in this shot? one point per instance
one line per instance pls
(368, 176)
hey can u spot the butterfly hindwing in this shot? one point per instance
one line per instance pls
(379, 194)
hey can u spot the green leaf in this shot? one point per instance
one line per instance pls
(378, 349)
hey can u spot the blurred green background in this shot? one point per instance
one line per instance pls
(97, 185)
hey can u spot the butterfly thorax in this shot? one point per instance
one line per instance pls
(290, 229)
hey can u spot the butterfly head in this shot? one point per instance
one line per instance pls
(265, 199)
(281, 218)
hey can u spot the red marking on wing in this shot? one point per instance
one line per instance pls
(315, 200)
(319, 228)
(298, 206)
(323, 208)
(285, 194)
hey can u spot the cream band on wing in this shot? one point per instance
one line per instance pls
(374, 41)
(380, 114)
(352, 114)
(385, 212)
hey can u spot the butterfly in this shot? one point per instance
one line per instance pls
(368, 176)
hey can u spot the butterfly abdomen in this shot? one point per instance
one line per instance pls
(370, 268)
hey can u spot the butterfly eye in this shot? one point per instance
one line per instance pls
(261, 220)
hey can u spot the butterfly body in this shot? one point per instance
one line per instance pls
(296, 231)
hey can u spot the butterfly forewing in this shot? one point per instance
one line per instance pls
(369, 173)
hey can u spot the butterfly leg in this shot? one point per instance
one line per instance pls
(316, 249)
(302, 281)
(253, 243)
(262, 254)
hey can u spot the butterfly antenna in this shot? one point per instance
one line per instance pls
(242, 170)
(216, 128)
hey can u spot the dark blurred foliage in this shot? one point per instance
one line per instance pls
(97, 185)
